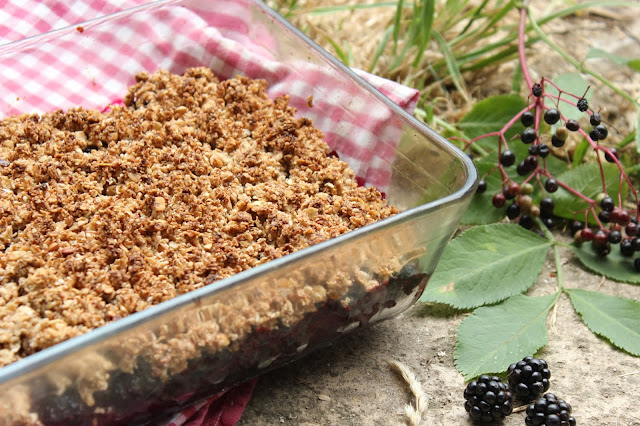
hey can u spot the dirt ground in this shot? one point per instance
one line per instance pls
(351, 382)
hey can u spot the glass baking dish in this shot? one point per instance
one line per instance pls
(151, 364)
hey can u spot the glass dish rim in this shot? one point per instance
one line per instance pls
(35, 361)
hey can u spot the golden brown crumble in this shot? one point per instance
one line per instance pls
(191, 181)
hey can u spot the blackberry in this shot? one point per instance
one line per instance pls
(482, 186)
(595, 119)
(528, 136)
(551, 116)
(582, 104)
(527, 118)
(573, 125)
(487, 399)
(536, 90)
(549, 410)
(507, 158)
(529, 378)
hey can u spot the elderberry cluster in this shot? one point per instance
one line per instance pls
(616, 225)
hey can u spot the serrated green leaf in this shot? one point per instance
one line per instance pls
(496, 336)
(615, 318)
(570, 83)
(614, 266)
(485, 265)
(585, 179)
(490, 115)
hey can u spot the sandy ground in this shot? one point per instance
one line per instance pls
(351, 383)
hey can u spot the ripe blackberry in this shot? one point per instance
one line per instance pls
(595, 119)
(487, 399)
(528, 136)
(551, 185)
(582, 104)
(536, 90)
(573, 125)
(529, 378)
(482, 186)
(527, 118)
(507, 158)
(551, 116)
(549, 410)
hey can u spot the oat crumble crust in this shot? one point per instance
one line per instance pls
(103, 214)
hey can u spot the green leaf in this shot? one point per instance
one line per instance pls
(570, 83)
(487, 264)
(490, 115)
(585, 179)
(615, 318)
(634, 64)
(496, 336)
(614, 266)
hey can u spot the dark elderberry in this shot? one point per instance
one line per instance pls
(536, 90)
(635, 243)
(533, 149)
(548, 222)
(527, 118)
(626, 248)
(624, 218)
(543, 151)
(631, 229)
(572, 125)
(499, 200)
(614, 215)
(600, 238)
(602, 129)
(513, 211)
(551, 185)
(595, 119)
(531, 162)
(587, 234)
(582, 104)
(607, 204)
(526, 221)
(594, 135)
(558, 143)
(482, 186)
(604, 216)
(511, 190)
(528, 136)
(546, 207)
(551, 116)
(576, 226)
(507, 158)
(636, 264)
(615, 237)
(609, 157)
(521, 169)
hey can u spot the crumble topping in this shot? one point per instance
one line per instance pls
(103, 214)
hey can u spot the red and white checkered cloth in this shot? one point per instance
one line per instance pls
(92, 63)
